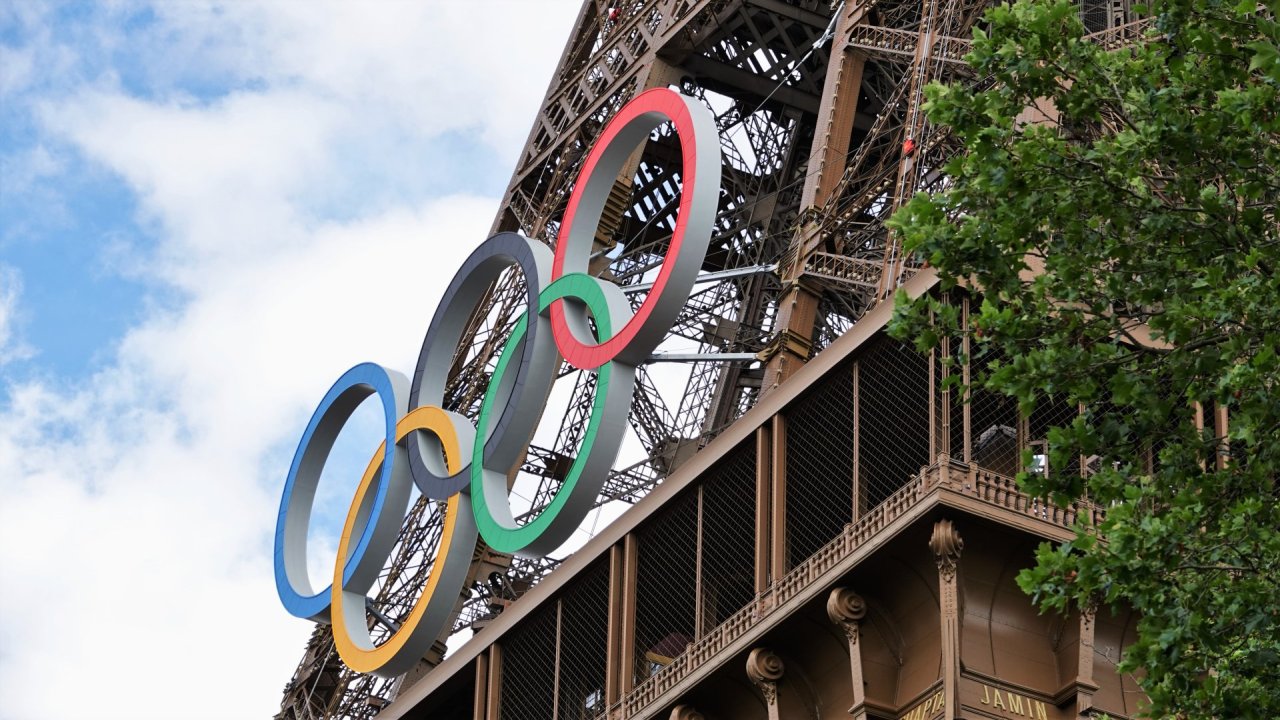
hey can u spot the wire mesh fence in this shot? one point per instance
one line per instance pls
(584, 631)
(695, 567)
(528, 667)
(554, 661)
(666, 584)
(993, 417)
(455, 701)
(957, 399)
(938, 402)
(727, 562)
(819, 465)
(893, 418)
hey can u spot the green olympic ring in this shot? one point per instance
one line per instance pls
(615, 382)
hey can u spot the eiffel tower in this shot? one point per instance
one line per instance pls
(818, 106)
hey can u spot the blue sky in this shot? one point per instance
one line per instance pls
(208, 211)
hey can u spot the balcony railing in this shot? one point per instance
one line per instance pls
(999, 491)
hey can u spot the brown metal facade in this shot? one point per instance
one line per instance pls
(784, 472)
(889, 590)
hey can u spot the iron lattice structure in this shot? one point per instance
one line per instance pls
(819, 111)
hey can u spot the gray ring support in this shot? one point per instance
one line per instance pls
(520, 394)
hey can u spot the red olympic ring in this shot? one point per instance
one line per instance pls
(632, 343)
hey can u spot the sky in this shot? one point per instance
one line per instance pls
(208, 211)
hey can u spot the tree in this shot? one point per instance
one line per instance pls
(1126, 255)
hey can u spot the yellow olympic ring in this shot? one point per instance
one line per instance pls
(348, 610)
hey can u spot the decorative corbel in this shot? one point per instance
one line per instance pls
(764, 668)
(946, 545)
(846, 608)
(685, 712)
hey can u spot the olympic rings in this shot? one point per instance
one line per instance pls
(467, 466)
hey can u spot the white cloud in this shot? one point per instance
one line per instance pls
(11, 345)
(220, 181)
(139, 503)
(403, 57)
(16, 68)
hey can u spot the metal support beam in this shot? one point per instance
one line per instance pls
(733, 81)
(798, 311)
(702, 357)
(778, 550)
(764, 496)
(711, 277)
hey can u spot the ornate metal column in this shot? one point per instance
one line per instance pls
(946, 545)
